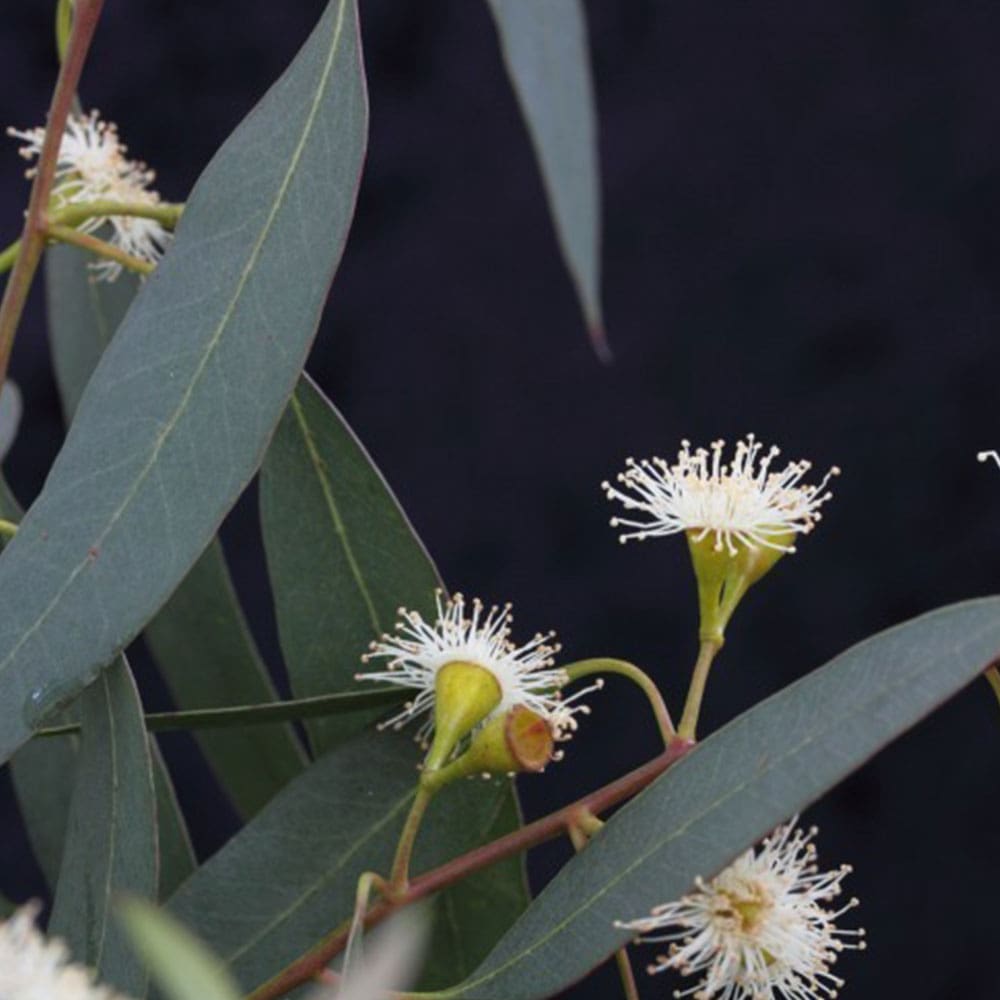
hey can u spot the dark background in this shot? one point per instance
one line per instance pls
(801, 239)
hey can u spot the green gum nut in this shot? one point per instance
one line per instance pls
(724, 576)
(464, 695)
(517, 741)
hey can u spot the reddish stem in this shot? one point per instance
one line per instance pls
(546, 828)
(86, 14)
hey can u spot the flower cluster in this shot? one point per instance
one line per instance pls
(93, 166)
(525, 674)
(742, 501)
(761, 929)
(34, 968)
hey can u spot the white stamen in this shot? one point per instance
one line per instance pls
(741, 502)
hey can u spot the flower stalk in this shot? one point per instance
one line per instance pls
(696, 692)
(67, 234)
(642, 680)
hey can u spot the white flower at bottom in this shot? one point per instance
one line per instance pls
(93, 166)
(741, 501)
(35, 968)
(761, 929)
(525, 674)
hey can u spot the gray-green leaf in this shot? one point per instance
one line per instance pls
(546, 52)
(736, 786)
(341, 554)
(111, 835)
(179, 411)
(288, 878)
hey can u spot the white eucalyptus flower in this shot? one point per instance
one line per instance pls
(985, 456)
(738, 502)
(35, 968)
(93, 166)
(761, 929)
(525, 674)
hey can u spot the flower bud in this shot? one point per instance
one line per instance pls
(517, 741)
(464, 695)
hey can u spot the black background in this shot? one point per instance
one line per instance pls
(801, 239)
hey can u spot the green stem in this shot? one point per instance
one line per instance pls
(67, 234)
(253, 715)
(629, 985)
(604, 665)
(166, 213)
(696, 692)
(556, 824)
(64, 25)
(8, 529)
(399, 877)
(8, 256)
(15, 295)
(993, 676)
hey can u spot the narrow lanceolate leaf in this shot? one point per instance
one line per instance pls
(203, 646)
(732, 789)
(546, 51)
(341, 554)
(199, 639)
(181, 966)
(177, 415)
(177, 860)
(111, 837)
(289, 876)
(44, 773)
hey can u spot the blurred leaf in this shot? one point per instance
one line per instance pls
(181, 966)
(733, 789)
(7, 908)
(289, 876)
(203, 646)
(392, 955)
(546, 51)
(44, 773)
(11, 408)
(177, 859)
(176, 417)
(199, 639)
(111, 836)
(341, 554)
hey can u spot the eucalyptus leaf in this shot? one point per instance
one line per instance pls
(44, 773)
(199, 639)
(111, 836)
(546, 52)
(204, 648)
(179, 410)
(177, 860)
(181, 966)
(734, 788)
(341, 555)
(289, 876)
(11, 408)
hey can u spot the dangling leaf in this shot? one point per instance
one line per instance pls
(546, 51)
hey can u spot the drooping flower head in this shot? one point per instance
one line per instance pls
(35, 968)
(472, 635)
(764, 928)
(740, 502)
(93, 166)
